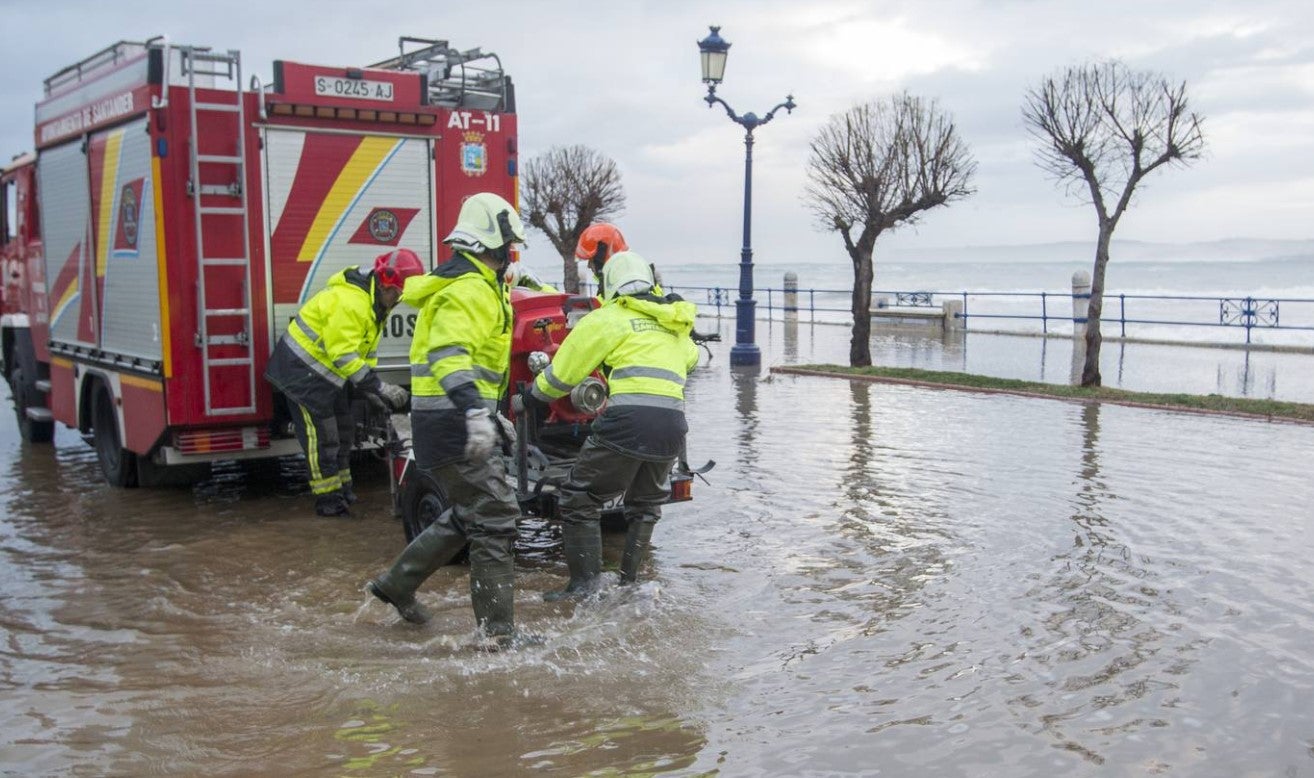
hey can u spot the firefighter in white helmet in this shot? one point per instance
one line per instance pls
(460, 361)
(643, 340)
(330, 349)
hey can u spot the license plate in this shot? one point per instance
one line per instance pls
(357, 88)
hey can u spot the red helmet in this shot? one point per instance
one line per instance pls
(598, 243)
(394, 267)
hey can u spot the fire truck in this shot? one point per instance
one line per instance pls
(174, 217)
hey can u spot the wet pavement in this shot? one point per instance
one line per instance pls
(879, 580)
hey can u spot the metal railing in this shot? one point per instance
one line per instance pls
(1033, 309)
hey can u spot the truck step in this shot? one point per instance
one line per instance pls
(42, 384)
(39, 414)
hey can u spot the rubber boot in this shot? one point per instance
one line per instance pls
(331, 505)
(348, 494)
(638, 538)
(492, 594)
(583, 548)
(430, 550)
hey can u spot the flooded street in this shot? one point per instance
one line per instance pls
(879, 580)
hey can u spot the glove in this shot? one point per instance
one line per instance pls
(527, 401)
(395, 395)
(376, 402)
(508, 430)
(513, 273)
(480, 434)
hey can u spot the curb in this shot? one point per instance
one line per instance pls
(1038, 395)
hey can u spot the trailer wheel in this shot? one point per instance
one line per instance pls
(25, 392)
(425, 501)
(117, 463)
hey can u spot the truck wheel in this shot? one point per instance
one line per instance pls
(117, 463)
(25, 392)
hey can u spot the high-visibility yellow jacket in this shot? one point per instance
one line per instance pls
(333, 340)
(460, 356)
(642, 343)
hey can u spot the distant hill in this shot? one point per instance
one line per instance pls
(1230, 250)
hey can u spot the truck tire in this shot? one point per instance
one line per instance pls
(25, 393)
(117, 463)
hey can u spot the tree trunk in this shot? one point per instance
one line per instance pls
(860, 346)
(569, 271)
(1090, 372)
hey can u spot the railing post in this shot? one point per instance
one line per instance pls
(1080, 303)
(791, 295)
(1122, 313)
(1044, 313)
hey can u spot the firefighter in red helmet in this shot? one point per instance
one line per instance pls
(329, 350)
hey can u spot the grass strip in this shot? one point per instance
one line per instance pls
(1199, 403)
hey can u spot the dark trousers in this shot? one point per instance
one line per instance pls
(327, 442)
(484, 510)
(602, 476)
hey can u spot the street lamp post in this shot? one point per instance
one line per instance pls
(714, 49)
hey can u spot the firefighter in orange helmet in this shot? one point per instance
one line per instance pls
(596, 245)
(330, 349)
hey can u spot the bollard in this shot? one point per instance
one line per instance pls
(953, 315)
(1080, 303)
(791, 292)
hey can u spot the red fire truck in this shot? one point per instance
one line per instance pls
(174, 217)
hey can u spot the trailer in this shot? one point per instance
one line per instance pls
(175, 216)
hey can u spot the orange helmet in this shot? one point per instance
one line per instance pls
(597, 243)
(394, 267)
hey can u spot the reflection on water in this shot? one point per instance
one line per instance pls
(878, 580)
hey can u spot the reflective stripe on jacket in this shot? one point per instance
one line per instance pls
(460, 356)
(644, 342)
(463, 332)
(334, 338)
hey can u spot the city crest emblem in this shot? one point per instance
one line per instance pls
(474, 154)
(383, 226)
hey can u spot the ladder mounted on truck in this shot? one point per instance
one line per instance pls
(456, 79)
(226, 152)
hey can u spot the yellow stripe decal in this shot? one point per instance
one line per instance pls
(109, 180)
(162, 265)
(358, 171)
(141, 383)
(61, 362)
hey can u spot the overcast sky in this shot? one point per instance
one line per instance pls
(623, 78)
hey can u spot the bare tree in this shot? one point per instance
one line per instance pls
(874, 168)
(1102, 128)
(563, 191)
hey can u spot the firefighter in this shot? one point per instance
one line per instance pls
(643, 342)
(460, 361)
(597, 243)
(329, 350)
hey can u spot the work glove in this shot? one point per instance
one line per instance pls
(508, 430)
(526, 401)
(480, 434)
(377, 403)
(395, 395)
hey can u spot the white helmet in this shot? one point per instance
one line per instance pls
(486, 222)
(626, 273)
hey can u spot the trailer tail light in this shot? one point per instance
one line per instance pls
(219, 440)
(400, 464)
(681, 489)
